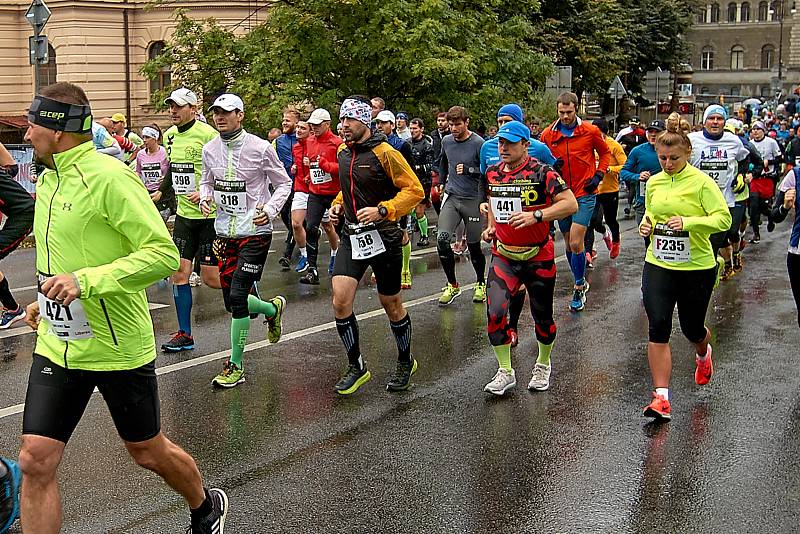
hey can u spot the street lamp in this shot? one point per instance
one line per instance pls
(777, 7)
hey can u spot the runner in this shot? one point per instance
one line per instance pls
(524, 196)
(422, 152)
(378, 186)
(460, 180)
(786, 201)
(742, 191)
(575, 142)
(105, 243)
(151, 166)
(284, 146)
(194, 231)
(238, 170)
(682, 208)
(762, 188)
(119, 126)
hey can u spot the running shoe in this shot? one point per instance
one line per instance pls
(330, 264)
(302, 265)
(704, 369)
(607, 239)
(578, 302)
(738, 263)
(540, 381)
(311, 277)
(285, 263)
(195, 280)
(423, 241)
(503, 381)
(770, 225)
(9, 494)
(353, 379)
(10, 317)
(756, 239)
(720, 270)
(479, 294)
(449, 294)
(275, 323)
(180, 341)
(401, 380)
(512, 334)
(727, 273)
(659, 408)
(614, 250)
(589, 263)
(405, 280)
(213, 523)
(232, 375)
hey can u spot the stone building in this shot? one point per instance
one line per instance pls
(100, 45)
(737, 46)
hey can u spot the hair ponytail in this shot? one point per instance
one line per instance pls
(676, 133)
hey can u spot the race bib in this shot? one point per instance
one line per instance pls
(366, 244)
(642, 188)
(318, 176)
(717, 170)
(151, 173)
(67, 322)
(231, 196)
(505, 200)
(671, 246)
(183, 178)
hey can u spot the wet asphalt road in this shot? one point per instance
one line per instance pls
(444, 456)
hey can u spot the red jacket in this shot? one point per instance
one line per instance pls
(301, 176)
(576, 154)
(323, 152)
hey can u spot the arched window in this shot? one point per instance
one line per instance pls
(715, 12)
(767, 56)
(763, 8)
(702, 15)
(163, 78)
(745, 12)
(731, 12)
(49, 71)
(737, 57)
(707, 58)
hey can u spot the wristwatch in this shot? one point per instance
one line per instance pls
(383, 212)
(538, 215)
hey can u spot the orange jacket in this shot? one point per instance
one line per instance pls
(575, 154)
(610, 183)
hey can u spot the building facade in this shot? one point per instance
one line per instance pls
(100, 45)
(744, 48)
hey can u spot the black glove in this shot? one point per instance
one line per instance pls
(591, 185)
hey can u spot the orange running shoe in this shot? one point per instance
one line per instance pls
(705, 368)
(659, 408)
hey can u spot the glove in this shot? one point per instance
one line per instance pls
(738, 184)
(591, 185)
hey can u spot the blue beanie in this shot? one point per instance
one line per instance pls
(715, 109)
(513, 111)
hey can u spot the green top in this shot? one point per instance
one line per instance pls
(187, 147)
(694, 196)
(94, 218)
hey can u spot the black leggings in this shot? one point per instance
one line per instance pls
(793, 263)
(317, 204)
(690, 290)
(758, 207)
(605, 208)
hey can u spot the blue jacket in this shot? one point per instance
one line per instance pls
(642, 158)
(490, 153)
(283, 146)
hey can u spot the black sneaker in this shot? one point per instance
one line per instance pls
(770, 225)
(402, 376)
(180, 341)
(423, 241)
(353, 379)
(285, 263)
(756, 239)
(311, 277)
(213, 523)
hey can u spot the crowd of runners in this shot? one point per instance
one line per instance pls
(367, 177)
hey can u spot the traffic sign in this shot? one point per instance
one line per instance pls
(38, 14)
(38, 49)
(617, 89)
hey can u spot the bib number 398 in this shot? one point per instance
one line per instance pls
(69, 323)
(183, 178)
(366, 244)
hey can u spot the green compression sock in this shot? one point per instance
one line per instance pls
(256, 305)
(544, 353)
(407, 257)
(423, 225)
(239, 330)
(503, 353)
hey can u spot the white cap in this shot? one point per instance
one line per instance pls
(385, 116)
(182, 97)
(319, 116)
(227, 102)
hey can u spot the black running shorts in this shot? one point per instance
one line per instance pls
(195, 235)
(387, 266)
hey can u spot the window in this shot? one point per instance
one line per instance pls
(775, 11)
(702, 15)
(48, 72)
(707, 58)
(705, 91)
(767, 56)
(714, 12)
(163, 79)
(745, 12)
(737, 57)
(765, 91)
(762, 11)
(731, 12)
(736, 90)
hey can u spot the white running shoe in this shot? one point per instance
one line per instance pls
(195, 280)
(503, 381)
(540, 381)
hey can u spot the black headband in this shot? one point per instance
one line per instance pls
(59, 116)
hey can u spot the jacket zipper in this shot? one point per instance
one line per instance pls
(47, 243)
(108, 321)
(352, 191)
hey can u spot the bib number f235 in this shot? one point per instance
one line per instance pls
(231, 196)
(183, 178)
(69, 323)
(671, 246)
